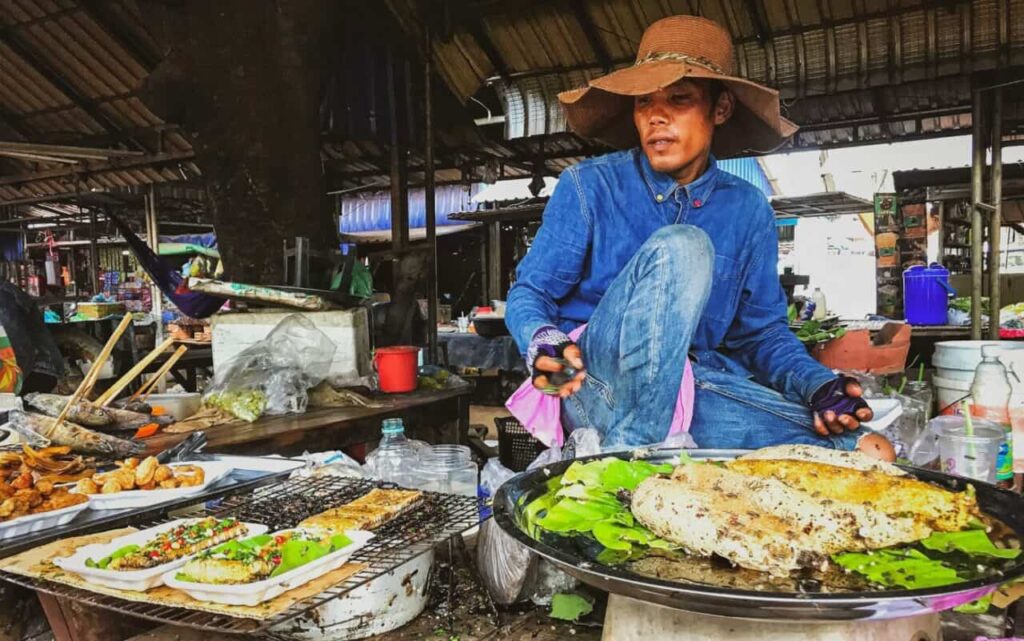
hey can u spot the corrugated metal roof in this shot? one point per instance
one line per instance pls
(896, 68)
(67, 73)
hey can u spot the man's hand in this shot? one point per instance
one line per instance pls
(553, 377)
(556, 363)
(838, 406)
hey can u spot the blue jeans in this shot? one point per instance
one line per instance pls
(635, 346)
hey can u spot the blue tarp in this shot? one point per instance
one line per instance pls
(372, 212)
(208, 239)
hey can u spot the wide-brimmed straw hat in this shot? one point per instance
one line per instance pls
(671, 49)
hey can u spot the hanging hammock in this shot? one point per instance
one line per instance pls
(168, 278)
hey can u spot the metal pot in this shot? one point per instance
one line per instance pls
(381, 605)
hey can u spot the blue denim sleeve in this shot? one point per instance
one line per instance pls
(554, 265)
(760, 337)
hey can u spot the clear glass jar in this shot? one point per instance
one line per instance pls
(922, 392)
(448, 469)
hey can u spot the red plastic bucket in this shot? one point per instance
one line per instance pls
(396, 368)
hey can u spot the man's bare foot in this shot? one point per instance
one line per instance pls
(877, 446)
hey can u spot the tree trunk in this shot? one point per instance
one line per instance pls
(243, 78)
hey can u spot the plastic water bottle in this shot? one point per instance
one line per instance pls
(395, 456)
(991, 393)
(820, 307)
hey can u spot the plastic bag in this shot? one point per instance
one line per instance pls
(505, 564)
(272, 375)
(332, 463)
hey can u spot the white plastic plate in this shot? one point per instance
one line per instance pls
(213, 471)
(252, 594)
(134, 580)
(32, 523)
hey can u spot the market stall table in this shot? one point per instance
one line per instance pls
(440, 416)
(479, 352)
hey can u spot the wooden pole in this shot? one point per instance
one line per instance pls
(146, 389)
(977, 252)
(995, 233)
(115, 389)
(93, 374)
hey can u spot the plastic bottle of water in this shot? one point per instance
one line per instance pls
(820, 306)
(395, 456)
(990, 393)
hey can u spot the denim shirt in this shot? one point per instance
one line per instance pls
(605, 208)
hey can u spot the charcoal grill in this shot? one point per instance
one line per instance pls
(283, 505)
(827, 608)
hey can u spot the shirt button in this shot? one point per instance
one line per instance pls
(659, 198)
(697, 203)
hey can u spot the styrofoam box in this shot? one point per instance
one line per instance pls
(348, 329)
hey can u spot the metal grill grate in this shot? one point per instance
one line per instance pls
(281, 506)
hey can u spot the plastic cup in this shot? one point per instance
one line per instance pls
(972, 456)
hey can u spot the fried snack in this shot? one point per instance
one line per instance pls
(44, 487)
(145, 471)
(163, 473)
(190, 475)
(87, 486)
(168, 484)
(24, 481)
(111, 487)
(370, 511)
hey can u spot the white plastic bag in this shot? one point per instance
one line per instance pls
(273, 375)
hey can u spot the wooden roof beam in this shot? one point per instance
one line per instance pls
(760, 20)
(51, 75)
(579, 10)
(476, 29)
(102, 13)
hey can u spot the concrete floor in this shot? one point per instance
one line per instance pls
(485, 415)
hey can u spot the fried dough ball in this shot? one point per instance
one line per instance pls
(130, 463)
(169, 484)
(163, 473)
(145, 471)
(87, 486)
(111, 487)
(189, 475)
(44, 487)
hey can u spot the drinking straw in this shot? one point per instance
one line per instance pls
(920, 373)
(969, 423)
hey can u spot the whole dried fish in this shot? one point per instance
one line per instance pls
(128, 420)
(82, 412)
(37, 428)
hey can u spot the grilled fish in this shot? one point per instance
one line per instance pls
(82, 412)
(179, 542)
(37, 428)
(815, 454)
(760, 523)
(925, 503)
(213, 570)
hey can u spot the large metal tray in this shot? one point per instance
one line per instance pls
(249, 473)
(748, 604)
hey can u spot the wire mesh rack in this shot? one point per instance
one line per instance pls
(284, 505)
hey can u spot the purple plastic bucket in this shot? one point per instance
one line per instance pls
(926, 294)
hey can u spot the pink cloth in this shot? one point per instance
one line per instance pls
(541, 414)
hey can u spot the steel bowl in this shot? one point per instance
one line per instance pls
(750, 604)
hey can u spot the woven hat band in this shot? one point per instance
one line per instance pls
(680, 57)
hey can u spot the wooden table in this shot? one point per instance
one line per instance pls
(434, 416)
(185, 371)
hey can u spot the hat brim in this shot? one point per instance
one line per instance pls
(604, 110)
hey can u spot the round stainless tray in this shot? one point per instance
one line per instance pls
(748, 604)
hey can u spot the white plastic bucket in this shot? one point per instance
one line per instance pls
(949, 393)
(957, 360)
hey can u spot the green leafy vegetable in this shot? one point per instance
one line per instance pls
(570, 607)
(979, 606)
(585, 500)
(970, 542)
(906, 568)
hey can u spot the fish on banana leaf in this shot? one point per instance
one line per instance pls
(82, 412)
(761, 523)
(39, 429)
(930, 505)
